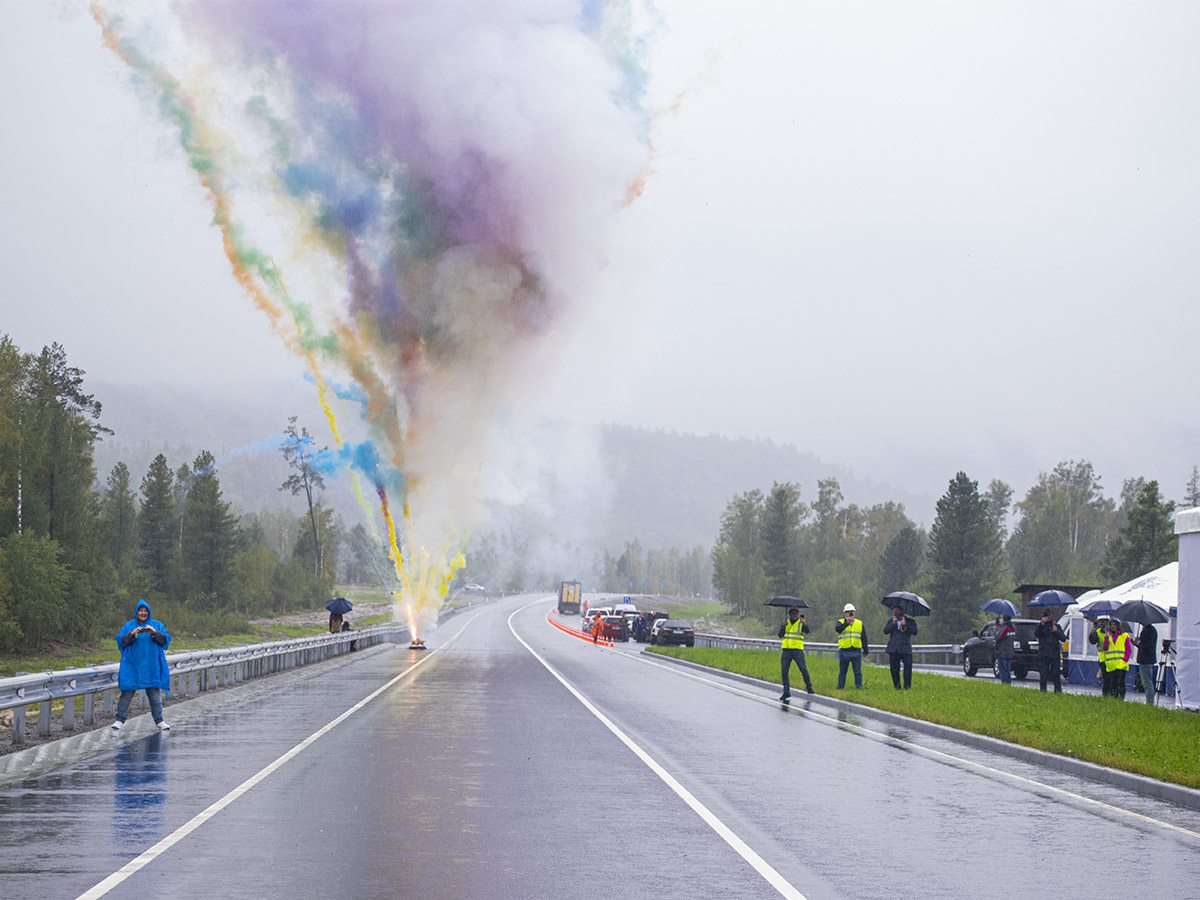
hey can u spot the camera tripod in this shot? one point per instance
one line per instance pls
(1166, 660)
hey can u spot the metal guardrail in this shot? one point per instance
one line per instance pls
(951, 654)
(192, 672)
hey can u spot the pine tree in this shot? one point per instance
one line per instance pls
(1147, 540)
(210, 534)
(156, 526)
(781, 516)
(1191, 499)
(964, 556)
(301, 454)
(120, 516)
(900, 563)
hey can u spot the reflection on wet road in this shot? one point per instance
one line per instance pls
(479, 774)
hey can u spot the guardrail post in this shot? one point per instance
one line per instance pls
(68, 713)
(19, 725)
(108, 701)
(89, 709)
(44, 718)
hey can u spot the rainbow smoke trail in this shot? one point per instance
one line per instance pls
(437, 179)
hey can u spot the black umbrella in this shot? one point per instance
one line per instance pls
(787, 602)
(1098, 609)
(339, 605)
(1000, 607)
(1052, 598)
(910, 604)
(1140, 611)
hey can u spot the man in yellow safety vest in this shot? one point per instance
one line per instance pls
(852, 644)
(792, 631)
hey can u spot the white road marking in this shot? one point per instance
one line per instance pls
(135, 865)
(889, 738)
(760, 865)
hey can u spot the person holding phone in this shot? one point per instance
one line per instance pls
(900, 630)
(142, 641)
(852, 646)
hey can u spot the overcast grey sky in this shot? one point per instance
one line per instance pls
(911, 238)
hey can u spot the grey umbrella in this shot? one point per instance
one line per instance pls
(1140, 611)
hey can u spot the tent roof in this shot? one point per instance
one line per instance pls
(1160, 587)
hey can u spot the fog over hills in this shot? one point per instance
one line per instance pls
(666, 489)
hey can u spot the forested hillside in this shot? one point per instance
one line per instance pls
(667, 489)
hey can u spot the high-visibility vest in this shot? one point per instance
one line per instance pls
(793, 635)
(1101, 652)
(851, 636)
(1115, 658)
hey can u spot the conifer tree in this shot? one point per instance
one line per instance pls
(210, 534)
(964, 556)
(156, 525)
(1147, 539)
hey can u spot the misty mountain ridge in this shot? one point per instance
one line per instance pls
(667, 489)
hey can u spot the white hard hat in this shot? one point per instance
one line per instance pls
(849, 607)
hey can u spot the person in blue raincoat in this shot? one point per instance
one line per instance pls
(143, 641)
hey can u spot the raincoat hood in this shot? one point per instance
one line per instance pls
(143, 662)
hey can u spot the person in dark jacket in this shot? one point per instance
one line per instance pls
(142, 641)
(1050, 639)
(900, 630)
(1147, 659)
(1005, 652)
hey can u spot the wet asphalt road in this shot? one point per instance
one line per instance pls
(478, 774)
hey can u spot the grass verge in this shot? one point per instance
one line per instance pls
(1153, 741)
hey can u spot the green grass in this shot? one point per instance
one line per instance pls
(1156, 742)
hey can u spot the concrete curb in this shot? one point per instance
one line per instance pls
(1139, 784)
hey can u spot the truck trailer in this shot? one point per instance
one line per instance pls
(568, 597)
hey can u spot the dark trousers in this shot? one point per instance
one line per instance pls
(847, 659)
(1114, 683)
(896, 659)
(1049, 669)
(790, 655)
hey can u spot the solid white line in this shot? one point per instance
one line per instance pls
(200, 818)
(931, 751)
(777, 881)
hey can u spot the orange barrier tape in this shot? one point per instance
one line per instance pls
(603, 642)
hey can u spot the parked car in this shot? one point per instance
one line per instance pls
(979, 652)
(614, 628)
(673, 631)
(649, 618)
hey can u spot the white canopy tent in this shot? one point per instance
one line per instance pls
(1160, 587)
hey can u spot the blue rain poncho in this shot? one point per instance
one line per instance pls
(143, 662)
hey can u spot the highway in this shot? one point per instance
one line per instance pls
(513, 760)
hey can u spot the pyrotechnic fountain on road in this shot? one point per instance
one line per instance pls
(435, 180)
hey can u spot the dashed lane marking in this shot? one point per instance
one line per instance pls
(760, 865)
(147, 857)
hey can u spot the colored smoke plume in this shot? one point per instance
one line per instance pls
(412, 192)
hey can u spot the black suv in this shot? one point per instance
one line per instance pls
(979, 652)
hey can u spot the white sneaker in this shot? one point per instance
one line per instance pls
(163, 726)
(117, 726)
